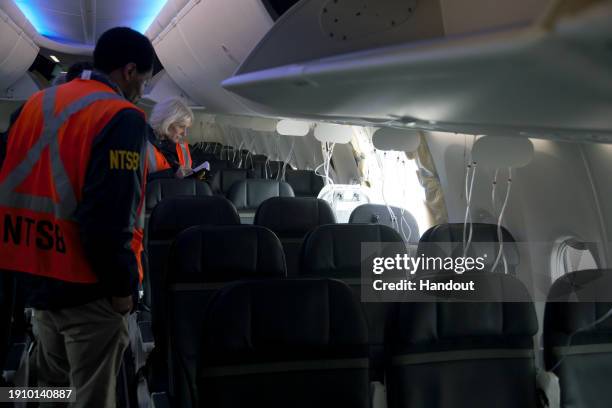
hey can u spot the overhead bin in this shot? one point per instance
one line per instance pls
(17, 52)
(548, 80)
(205, 43)
(321, 28)
(315, 29)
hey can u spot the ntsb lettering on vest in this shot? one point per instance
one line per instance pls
(25, 231)
(124, 160)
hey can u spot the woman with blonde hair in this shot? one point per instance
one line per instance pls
(169, 121)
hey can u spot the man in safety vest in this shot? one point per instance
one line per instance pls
(71, 215)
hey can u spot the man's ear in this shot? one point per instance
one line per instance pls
(129, 70)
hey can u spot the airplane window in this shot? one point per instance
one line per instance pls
(571, 255)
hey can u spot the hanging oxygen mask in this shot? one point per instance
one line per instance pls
(328, 152)
(396, 142)
(342, 198)
(286, 161)
(502, 155)
(293, 129)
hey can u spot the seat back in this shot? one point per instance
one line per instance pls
(291, 218)
(464, 354)
(227, 153)
(204, 259)
(334, 251)
(284, 343)
(577, 342)
(248, 194)
(305, 183)
(223, 180)
(170, 217)
(446, 240)
(273, 169)
(259, 166)
(397, 218)
(160, 189)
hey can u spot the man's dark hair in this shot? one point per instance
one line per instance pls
(119, 46)
(76, 69)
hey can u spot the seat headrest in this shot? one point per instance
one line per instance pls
(304, 182)
(293, 216)
(224, 179)
(248, 194)
(274, 167)
(227, 253)
(334, 250)
(446, 240)
(444, 322)
(283, 319)
(381, 214)
(578, 299)
(175, 214)
(216, 165)
(159, 189)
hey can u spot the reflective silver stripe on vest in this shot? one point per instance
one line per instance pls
(152, 159)
(582, 349)
(49, 137)
(286, 366)
(460, 355)
(186, 157)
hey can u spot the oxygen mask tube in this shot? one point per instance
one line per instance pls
(381, 167)
(278, 155)
(500, 238)
(238, 152)
(404, 180)
(328, 151)
(288, 158)
(470, 176)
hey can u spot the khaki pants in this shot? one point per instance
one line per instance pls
(82, 346)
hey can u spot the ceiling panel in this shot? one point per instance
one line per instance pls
(83, 21)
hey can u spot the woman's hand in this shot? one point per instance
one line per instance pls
(183, 172)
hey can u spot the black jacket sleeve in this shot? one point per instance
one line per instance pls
(112, 198)
(4, 135)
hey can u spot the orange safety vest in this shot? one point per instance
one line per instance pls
(184, 155)
(42, 179)
(156, 159)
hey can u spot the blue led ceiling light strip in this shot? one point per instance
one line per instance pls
(35, 17)
(153, 8)
(148, 11)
